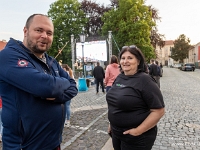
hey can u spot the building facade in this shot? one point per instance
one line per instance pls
(164, 53)
(194, 55)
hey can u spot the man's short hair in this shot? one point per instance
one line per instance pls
(30, 19)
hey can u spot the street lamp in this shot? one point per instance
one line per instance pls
(194, 58)
(82, 40)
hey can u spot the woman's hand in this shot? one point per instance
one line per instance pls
(109, 128)
(132, 132)
(151, 121)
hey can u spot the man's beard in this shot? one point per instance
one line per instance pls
(34, 47)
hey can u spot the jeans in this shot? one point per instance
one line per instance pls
(144, 141)
(97, 84)
(107, 88)
(68, 111)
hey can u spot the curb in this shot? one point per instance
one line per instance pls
(108, 145)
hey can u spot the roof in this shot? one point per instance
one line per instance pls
(170, 42)
(2, 44)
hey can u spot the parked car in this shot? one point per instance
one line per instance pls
(177, 66)
(188, 67)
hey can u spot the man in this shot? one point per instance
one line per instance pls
(99, 75)
(34, 89)
(154, 72)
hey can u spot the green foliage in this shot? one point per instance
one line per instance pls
(68, 19)
(94, 12)
(181, 47)
(130, 23)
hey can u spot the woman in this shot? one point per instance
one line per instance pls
(135, 104)
(112, 71)
(67, 104)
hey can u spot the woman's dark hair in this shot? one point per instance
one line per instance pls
(113, 59)
(142, 67)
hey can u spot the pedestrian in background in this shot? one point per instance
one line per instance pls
(99, 76)
(34, 89)
(135, 104)
(67, 104)
(161, 66)
(154, 72)
(159, 69)
(112, 71)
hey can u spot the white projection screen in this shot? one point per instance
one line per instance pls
(93, 51)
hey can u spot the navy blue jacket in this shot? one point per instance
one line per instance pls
(30, 121)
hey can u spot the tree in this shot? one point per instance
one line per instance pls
(156, 38)
(131, 23)
(93, 12)
(114, 3)
(181, 47)
(68, 19)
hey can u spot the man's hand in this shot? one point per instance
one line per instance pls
(50, 99)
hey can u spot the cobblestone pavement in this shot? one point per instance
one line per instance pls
(89, 123)
(179, 129)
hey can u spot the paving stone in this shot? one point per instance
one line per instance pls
(179, 129)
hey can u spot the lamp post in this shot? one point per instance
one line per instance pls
(82, 40)
(194, 58)
(72, 52)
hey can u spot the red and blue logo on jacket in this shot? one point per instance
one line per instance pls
(22, 63)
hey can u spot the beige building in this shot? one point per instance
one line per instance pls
(193, 55)
(164, 53)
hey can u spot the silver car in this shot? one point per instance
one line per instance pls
(188, 67)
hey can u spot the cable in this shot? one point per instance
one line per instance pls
(115, 43)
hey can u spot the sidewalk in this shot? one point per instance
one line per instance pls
(108, 145)
(89, 122)
(179, 129)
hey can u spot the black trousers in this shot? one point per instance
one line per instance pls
(129, 142)
(97, 84)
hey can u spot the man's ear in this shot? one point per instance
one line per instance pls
(25, 31)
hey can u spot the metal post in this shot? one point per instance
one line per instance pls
(110, 44)
(82, 40)
(83, 59)
(72, 51)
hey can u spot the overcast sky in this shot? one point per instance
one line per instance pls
(178, 17)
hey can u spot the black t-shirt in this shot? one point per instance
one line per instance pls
(131, 98)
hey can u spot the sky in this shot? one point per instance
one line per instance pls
(177, 17)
